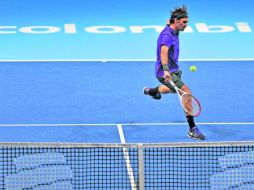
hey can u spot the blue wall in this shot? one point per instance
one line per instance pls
(17, 41)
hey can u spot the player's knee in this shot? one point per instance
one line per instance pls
(186, 89)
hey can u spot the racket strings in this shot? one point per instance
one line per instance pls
(191, 105)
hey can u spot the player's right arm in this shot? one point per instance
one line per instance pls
(164, 62)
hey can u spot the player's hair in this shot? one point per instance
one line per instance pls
(178, 12)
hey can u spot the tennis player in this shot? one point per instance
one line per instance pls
(167, 67)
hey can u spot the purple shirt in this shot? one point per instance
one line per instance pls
(169, 38)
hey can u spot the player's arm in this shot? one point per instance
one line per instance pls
(164, 62)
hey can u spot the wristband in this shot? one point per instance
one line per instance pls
(165, 67)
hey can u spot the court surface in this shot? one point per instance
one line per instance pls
(91, 102)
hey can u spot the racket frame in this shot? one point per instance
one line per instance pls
(180, 96)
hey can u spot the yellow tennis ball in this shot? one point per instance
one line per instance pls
(193, 68)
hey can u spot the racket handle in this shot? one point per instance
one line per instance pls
(172, 83)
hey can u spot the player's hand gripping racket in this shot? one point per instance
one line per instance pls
(189, 103)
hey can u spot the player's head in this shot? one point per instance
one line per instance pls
(179, 18)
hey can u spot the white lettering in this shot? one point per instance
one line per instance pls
(105, 29)
(140, 29)
(5, 30)
(243, 27)
(39, 29)
(70, 28)
(188, 29)
(203, 27)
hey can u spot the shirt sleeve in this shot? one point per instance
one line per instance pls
(165, 40)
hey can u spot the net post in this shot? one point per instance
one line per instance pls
(141, 166)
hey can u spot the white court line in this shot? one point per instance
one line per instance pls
(121, 134)
(113, 124)
(127, 158)
(120, 60)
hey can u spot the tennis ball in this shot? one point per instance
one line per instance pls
(193, 68)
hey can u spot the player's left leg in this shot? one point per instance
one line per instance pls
(194, 132)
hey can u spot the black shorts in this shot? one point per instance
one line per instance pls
(176, 78)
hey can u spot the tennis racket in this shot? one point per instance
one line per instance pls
(189, 103)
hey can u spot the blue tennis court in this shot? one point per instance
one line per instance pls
(84, 101)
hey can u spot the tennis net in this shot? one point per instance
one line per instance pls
(71, 166)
